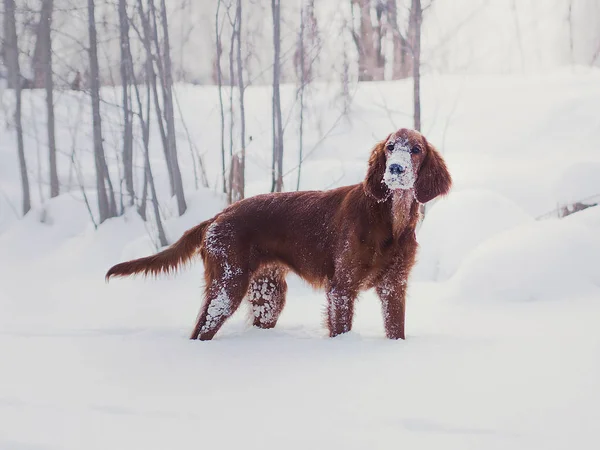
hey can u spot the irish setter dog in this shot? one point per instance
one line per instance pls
(343, 240)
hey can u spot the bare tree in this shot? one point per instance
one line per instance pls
(368, 41)
(231, 107)
(301, 73)
(106, 202)
(14, 74)
(144, 119)
(234, 181)
(125, 69)
(146, 141)
(149, 179)
(345, 81)
(165, 116)
(43, 78)
(237, 189)
(49, 85)
(167, 85)
(416, 19)
(38, 59)
(219, 79)
(146, 37)
(402, 62)
(277, 166)
(308, 39)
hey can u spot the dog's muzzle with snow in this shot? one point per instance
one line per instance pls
(399, 171)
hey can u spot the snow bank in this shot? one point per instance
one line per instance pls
(545, 260)
(456, 225)
(579, 182)
(45, 228)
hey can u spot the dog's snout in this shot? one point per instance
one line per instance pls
(396, 169)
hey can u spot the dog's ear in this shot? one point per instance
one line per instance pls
(373, 184)
(433, 178)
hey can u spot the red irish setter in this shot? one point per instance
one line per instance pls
(344, 240)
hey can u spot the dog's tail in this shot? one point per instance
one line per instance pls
(166, 261)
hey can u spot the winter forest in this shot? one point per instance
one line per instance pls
(123, 123)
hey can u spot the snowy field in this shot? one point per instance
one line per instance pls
(503, 341)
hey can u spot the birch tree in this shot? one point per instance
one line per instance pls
(277, 166)
(125, 70)
(416, 19)
(43, 78)
(239, 175)
(402, 59)
(167, 84)
(218, 74)
(14, 74)
(106, 201)
(308, 47)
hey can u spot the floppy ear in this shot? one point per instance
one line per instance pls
(433, 178)
(373, 184)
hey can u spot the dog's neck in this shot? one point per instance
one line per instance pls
(402, 201)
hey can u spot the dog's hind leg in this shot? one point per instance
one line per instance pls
(224, 294)
(267, 296)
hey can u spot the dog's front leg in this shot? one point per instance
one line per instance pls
(393, 302)
(340, 309)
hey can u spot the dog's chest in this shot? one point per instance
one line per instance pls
(401, 204)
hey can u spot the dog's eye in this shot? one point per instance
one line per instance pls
(415, 150)
(389, 147)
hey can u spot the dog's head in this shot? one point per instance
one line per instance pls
(405, 160)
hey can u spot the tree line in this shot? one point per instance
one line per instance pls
(146, 80)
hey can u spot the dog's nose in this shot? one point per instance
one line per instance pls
(396, 169)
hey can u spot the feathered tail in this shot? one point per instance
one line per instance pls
(166, 261)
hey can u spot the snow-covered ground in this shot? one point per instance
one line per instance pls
(503, 342)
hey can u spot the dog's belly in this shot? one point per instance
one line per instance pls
(307, 256)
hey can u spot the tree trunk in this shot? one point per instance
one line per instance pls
(415, 21)
(39, 58)
(147, 40)
(143, 206)
(302, 76)
(104, 203)
(146, 141)
(14, 74)
(169, 113)
(148, 178)
(162, 237)
(125, 68)
(233, 162)
(416, 18)
(145, 124)
(402, 63)
(239, 176)
(379, 67)
(365, 44)
(231, 110)
(49, 85)
(219, 71)
(277, 167)
(42, 68)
